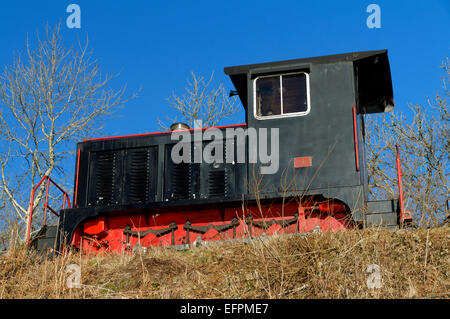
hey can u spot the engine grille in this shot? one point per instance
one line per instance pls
(105, 170)
(181, 181)
(139, 176)
(217, 183)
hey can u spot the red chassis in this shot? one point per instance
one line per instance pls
(121, 233)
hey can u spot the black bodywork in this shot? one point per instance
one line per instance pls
(135, 173)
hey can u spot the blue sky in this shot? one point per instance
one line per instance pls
(155, 44)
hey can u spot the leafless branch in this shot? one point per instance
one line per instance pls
(51, 96)
(424, 141)
(202, 102)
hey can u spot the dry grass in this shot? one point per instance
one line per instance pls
(414, 264)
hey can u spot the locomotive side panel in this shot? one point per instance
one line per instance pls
(323, 138)
(137, 172)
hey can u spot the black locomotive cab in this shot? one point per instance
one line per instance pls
(318, 105)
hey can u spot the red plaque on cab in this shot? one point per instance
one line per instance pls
(302, 161)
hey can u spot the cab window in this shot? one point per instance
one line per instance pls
(281, 95)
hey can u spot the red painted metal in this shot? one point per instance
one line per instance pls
(76, 181)
(48, 180)
(30, 216)
(405, 216)
(355, 137)
(302, 162)
(46, 203)
(106, 233)
(95, 227)
(158, 133)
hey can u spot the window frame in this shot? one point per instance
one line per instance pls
(282, 115)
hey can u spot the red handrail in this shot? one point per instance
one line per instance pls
(76, 182)
(399, 178)
(405, 216)
(48, 180)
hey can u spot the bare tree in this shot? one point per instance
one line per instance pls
(201, 101)
(424, 141)
(50, 98)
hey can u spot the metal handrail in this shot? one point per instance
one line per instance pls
(48, 180)
(405, 216)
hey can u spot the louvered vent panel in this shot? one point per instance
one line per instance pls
(216, 183)
(181, 181)
(105, 177)
(139, 176)
(217, 177)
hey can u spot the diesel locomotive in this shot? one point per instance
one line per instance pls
(130, 192)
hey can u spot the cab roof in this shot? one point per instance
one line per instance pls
(372, 69)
